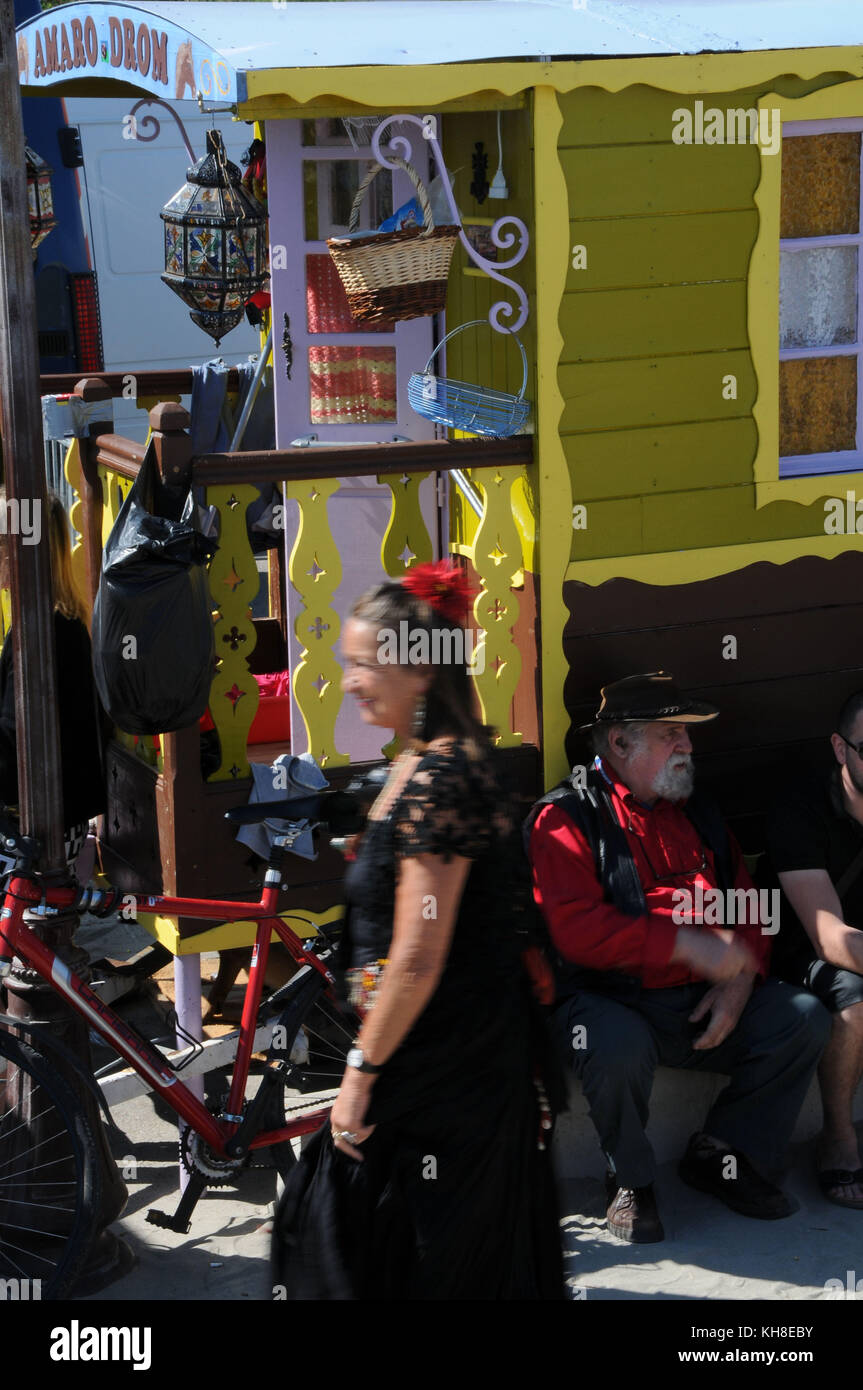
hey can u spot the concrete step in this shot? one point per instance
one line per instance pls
(678, 1105)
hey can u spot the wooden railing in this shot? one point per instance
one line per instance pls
(100, 470)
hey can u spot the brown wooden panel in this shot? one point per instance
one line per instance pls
(275, 465)
(130, 839)
(768, 647)
(210, 862)
(622, 604)
(800, 654)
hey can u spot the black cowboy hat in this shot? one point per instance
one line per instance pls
(649, 699)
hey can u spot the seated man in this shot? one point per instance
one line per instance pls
(815, 844)
(621, 867)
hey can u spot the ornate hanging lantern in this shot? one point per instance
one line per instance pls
(214, 242)
(40, 199)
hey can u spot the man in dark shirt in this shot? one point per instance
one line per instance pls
(642, 980)
(815, 845)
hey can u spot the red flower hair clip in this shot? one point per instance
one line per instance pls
(445, 586)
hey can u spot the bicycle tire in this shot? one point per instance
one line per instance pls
(313, 1068)
(53, 1250)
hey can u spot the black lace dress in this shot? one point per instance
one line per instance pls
(455, 1200)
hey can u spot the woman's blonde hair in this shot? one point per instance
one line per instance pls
(67, 600)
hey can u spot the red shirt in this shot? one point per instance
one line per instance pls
(594, 933)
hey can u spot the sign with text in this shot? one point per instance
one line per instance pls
(123, 44)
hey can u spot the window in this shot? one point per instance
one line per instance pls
(820, 328)
(804, 311)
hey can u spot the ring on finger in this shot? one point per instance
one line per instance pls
(345, 1134)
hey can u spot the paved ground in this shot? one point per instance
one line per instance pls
(709, 1253)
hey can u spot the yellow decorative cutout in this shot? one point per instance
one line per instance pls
(234, 583)
(315, 571)
(497, 661)
(406, 540)
(72, 473)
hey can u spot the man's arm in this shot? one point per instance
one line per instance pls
(812, 895)
(591, 932)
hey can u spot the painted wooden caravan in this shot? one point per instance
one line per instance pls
(683, 272)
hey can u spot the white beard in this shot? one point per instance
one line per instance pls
(676, 780)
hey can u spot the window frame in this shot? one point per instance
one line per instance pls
(837, 460)
(791, 479)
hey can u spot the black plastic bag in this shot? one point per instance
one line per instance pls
(153, 644)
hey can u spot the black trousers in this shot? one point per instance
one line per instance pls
(617, 1033)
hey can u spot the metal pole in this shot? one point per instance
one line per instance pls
(36, 722)
(252, 393)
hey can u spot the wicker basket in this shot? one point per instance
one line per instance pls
(390, 276)
(474, 409)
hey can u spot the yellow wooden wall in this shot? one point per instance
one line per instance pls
(480, 355)
(652, 326)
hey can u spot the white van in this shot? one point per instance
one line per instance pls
(125, 182)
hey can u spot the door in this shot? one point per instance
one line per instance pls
(348, 383)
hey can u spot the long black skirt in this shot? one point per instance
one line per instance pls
(454, 1198)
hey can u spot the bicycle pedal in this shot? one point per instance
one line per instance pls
(168, 1223)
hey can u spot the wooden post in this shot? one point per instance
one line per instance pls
(37, 727)
(178, 789)
(169, 423)
(89, 389)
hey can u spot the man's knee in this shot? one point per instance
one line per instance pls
(800, 1017)
(852, 1018)
(606, 1035)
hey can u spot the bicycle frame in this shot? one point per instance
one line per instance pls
(18, 938)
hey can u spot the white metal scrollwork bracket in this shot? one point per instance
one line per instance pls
(504, 233)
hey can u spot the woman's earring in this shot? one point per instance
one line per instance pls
(419, 719)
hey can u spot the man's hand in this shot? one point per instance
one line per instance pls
(715, 955)
(724, 1003)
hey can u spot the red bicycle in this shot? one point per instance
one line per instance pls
(49, 1174)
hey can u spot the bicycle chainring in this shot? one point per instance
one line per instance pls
(215, 1169)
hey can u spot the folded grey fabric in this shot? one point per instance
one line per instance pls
(290, 776)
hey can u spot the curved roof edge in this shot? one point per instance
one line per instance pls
(177, 50)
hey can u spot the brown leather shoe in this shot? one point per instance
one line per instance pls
(711, 1166)
(633, 1214)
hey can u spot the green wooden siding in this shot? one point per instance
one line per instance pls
(655, 323)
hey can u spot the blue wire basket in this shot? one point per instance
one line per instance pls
(474, 409)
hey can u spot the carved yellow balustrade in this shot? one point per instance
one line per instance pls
(496, 543)
(234, 581)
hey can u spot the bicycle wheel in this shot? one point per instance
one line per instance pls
(312, 1038)
(49, 1176)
